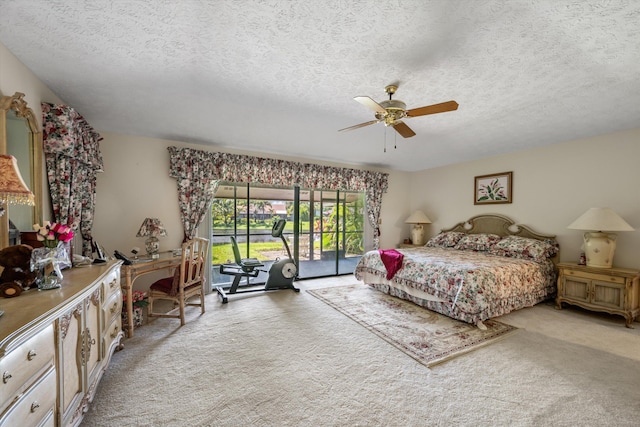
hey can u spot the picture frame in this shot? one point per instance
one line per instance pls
(493, 189)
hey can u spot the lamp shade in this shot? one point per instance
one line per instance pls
(151, 227)
(13, 189)
(600, 219)
(418, 217)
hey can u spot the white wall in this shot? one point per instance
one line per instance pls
(552, 186)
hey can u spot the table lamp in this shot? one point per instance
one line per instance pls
(417, 233)
(152, 228)
(599, 243)
(13, 189)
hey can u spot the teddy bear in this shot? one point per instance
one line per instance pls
(17, 275)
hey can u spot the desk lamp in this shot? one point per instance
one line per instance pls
(152, 228)
(417, 233)
(599, 244)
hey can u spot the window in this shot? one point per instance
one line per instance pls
(324, 231)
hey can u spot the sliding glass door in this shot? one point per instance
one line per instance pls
(324, 231)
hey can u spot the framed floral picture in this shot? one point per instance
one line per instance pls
(493, 189)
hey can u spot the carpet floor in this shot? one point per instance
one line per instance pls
(289, 359)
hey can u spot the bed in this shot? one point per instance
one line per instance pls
(479, 269)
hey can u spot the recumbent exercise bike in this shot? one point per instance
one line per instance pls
(281, 274)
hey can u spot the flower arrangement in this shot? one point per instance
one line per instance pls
(138, 299)
(51, 233)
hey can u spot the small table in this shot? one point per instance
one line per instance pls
(139, 267)
(612, 290)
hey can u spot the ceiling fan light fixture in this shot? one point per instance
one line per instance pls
(394, 110)
(394, 104)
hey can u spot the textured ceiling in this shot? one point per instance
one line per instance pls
(279, 76)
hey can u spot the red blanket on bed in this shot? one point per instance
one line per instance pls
(392, 261)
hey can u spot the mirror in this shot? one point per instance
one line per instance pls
(20, 137)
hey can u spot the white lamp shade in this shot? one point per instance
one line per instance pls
(418, 217)
(600, 219)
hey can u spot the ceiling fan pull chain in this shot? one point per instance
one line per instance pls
(385, 139)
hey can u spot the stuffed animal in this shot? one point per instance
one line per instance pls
(17, 275)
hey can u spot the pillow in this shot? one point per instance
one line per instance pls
(477, 242)
(525, 248)
(446, 239)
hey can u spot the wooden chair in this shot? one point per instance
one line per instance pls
(187, 281)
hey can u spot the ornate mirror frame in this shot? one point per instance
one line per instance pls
(18, 106)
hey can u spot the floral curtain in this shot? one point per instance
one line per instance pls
(198, 173)
(72, 158)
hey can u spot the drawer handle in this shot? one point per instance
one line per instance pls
(115, 307)
(113, 283)
(31, 355)
(115, 332)
(5, 377)
(35, 406)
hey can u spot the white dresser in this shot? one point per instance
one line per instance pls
(55, 345)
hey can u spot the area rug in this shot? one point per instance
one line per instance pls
(427, 336)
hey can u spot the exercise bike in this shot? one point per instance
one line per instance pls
(282, 272)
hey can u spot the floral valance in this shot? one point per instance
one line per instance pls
(65, 132)
(198, 173)
(199, 165)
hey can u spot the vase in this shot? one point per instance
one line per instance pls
(137, 317)
(46, 261)
(49, 280)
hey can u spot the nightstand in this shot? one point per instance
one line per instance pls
(611, 290)
(408, 245)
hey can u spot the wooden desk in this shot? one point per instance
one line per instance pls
(138, 268)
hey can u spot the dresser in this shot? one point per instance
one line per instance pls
(611, 290)
(55, 345)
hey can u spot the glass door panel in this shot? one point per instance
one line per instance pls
(351, 229)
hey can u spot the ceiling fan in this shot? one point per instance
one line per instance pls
(392, 110)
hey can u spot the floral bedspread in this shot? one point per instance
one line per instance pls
(467, 285)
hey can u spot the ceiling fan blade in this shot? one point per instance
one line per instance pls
(361, 125)
(433, 109)
(370, 103)
(404, 130)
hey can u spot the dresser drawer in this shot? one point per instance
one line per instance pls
(36, 407)
(111, 284)
(112, 332)
(30, 358)
(594, 276)
(112, 308)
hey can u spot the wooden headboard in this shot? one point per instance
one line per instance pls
(497, 224)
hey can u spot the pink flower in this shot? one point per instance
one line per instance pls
(51, 233)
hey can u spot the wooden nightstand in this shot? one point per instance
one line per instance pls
(612, 290)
